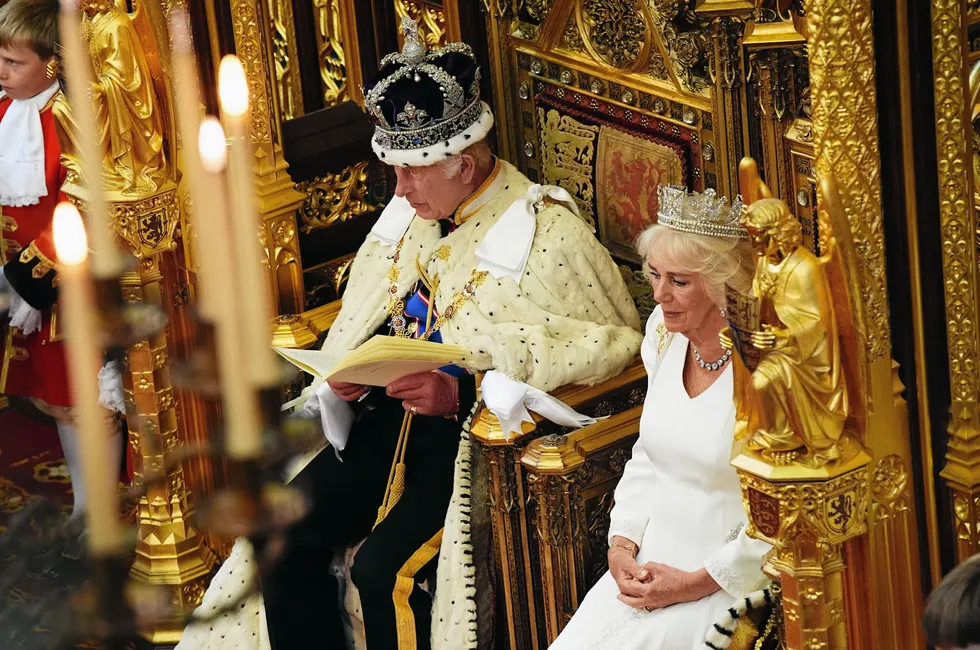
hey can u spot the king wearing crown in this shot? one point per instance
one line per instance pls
(470, 253)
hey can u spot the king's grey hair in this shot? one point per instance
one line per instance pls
(479, 151)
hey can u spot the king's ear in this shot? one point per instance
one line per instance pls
(468, 169)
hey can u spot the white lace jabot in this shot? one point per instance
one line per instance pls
(22, 179)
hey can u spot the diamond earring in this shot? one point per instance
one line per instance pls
(723, 312)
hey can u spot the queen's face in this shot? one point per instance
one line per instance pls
(681, 295)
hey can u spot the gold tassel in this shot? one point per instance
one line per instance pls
(396, 476)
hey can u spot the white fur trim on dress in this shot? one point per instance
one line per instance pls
(719, 636)
(432, 154)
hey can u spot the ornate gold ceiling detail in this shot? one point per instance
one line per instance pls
(616, 30)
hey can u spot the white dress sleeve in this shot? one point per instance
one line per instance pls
(630, 513)
(737, 566)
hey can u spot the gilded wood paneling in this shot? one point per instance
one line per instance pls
(962, 470)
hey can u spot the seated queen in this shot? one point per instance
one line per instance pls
(468, 253)
(678, 552)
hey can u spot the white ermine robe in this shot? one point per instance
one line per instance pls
(570, 320)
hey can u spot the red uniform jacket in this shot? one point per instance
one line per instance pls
(36, 362)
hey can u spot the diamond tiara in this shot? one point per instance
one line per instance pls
(700, 214)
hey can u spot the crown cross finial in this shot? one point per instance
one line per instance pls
(413, 51)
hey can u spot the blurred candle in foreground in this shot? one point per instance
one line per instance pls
(107, 261)
(81, 323)
(256, 311)
(243, 430)
(188, 103)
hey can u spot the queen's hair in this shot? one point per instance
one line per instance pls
(31, 23)
(952, 615)
(717, 261)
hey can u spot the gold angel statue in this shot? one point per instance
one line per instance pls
(131, 117)
(801, 384)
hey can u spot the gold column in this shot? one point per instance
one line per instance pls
(726, 68)
(956, 217)
(170, 550)
(277, 200)
(845, 125)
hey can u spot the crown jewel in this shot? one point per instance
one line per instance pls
(700, 214)
(415, 61)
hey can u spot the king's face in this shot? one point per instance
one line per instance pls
(434, 191)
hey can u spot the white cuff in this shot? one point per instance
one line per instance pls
(631, 529)
(509, 400)
(336, 416)
(737, 566)
(111, 387)
(23, 316)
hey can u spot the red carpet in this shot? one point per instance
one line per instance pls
(38, 578)
(31, 465)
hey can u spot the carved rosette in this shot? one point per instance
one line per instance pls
(616, 29)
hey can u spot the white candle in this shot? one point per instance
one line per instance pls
(263, 367)
(81, 324)
(243, 430)
(107, 261)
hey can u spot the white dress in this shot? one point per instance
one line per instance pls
(680, 501)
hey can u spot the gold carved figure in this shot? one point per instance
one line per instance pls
(801, 391)
(129, 118)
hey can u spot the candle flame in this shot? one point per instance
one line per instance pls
(70, 240)
(232, 86)
(211, 143)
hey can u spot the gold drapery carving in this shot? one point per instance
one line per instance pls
(335, 197)
(330, 44)
(282, 35)
(435, 23)
(956, 215)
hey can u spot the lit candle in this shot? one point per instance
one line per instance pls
(84, 357)
(263, 368)
(243, 433)
(107, 261)
(188, 100)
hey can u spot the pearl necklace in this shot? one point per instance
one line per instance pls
(712, 366)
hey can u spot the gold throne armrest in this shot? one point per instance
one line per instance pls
(549, 496)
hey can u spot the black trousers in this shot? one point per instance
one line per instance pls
(301, 598)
